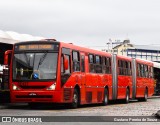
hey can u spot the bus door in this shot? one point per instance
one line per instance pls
(83, 78)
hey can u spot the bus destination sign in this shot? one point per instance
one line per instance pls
(37, 47)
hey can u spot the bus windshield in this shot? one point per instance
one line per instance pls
(35, 66)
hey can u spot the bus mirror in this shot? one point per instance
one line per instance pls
(7, 57)
(65, 63)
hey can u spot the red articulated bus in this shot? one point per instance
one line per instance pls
(56, 72)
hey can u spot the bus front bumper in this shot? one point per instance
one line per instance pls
(37, 96)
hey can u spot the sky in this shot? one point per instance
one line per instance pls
(89, 23)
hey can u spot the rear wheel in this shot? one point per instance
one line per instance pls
(75, 99)
(127, 96)
(144, 99)
(105, 98)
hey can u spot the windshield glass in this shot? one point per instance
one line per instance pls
(35, 66)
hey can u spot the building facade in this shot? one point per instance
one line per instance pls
(146, 52)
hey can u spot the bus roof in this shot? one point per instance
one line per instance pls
(84, 49)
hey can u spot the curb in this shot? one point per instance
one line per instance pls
(153, 97)
(2, 106)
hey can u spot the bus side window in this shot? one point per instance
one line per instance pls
(142, 70)
(120, 67)
(104, 67)
(146, 71)
(82, 64)
(76, 61)
(151, 72)
(98, 66)
(123, 67)
(139, 70)
(108, 65)
(130, 69)
(91, 63)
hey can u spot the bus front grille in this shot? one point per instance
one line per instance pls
(33, 87)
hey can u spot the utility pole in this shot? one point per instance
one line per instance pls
(108, 46)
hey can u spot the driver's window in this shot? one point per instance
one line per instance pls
(65, 74)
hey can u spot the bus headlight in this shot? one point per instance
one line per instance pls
(52, 87)
(14, 87)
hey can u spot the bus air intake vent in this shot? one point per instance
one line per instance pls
(67, 94)
(89, 97)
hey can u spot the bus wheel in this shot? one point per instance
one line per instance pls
(105, 98)
(127, 96)
(144, 99)
(75, 99)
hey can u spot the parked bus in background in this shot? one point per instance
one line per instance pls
(55, 72)
(5, 58)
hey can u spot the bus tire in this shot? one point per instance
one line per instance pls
(146, 95)
(127, 96)
(144, 99)
(75, 99)
(105, 97)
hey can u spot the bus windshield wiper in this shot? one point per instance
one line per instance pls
(42, 59)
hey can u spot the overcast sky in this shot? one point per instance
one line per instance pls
(84, 22)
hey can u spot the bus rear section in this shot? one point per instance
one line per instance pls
(144, 79)
(131, 78)
(5, 58)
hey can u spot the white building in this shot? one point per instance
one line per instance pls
(146, 52)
